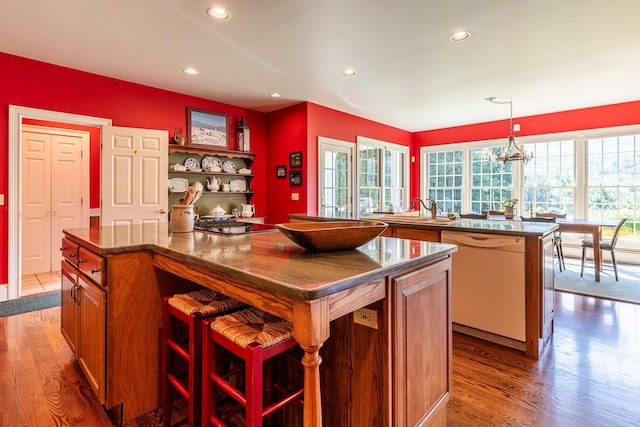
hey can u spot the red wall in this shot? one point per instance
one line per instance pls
(36, 84)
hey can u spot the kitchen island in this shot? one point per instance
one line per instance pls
(503, 284)
(394, 372)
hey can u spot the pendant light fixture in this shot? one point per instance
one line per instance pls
(512, 152)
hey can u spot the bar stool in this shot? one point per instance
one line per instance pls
(254, 336)
(182, 316)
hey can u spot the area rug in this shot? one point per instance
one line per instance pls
(627, 289)
(26, 304)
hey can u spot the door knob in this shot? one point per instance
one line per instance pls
(162, 211)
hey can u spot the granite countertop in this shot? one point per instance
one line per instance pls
(488, 226)
(269, 259)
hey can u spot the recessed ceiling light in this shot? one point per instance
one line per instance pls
(348, 72)
(459, 36)
(275, 95)
(190, 71)
(218, 12)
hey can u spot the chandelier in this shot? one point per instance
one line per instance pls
(512, 152)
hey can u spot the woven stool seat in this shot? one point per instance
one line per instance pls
(256, 337)
(182, 316)
(205, 302)
(251, 325)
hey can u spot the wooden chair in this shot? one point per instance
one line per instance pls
(605, 245)
(182, 316)
(254, 336)
(557, 239)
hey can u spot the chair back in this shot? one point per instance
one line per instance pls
(551, 215)
(539, 219)
(616, 233)
(473, 216)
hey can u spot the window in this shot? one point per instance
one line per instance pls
(491, 182)
(444, 179)
(613, 180)
(383, 175)
(548, 180)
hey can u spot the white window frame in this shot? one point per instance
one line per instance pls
(370, 142)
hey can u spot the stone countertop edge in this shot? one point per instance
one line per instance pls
(487, 226)
(90, 238)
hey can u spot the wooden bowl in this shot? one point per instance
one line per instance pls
(325, 236)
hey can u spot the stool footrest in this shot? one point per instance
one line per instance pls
(177, 384)
(281, 403)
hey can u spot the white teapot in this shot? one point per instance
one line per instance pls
(217, 211)
(248, 210)
(213, 184)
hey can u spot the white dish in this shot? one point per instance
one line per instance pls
(191, 163)
(177, 185)
(199, 186)
(228, 166)
(211, 164)
(244, 171)
(238, 185)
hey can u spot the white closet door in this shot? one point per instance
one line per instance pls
(36, 203)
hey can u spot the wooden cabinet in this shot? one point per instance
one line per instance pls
(421, 346)
(228, 200)
(83, 312)
(91, 344)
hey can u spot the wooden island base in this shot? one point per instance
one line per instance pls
(398, 374)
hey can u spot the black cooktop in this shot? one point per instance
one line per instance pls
(230, 226)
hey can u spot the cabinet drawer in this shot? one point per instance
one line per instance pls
(93, 266)
(69, 251)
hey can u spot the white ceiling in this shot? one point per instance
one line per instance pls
(548, 55)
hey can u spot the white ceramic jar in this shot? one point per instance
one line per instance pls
(182, 217)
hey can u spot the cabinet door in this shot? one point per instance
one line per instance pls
(68, 307)
(422, 346)
(92, 339)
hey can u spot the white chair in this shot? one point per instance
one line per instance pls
(605, 245)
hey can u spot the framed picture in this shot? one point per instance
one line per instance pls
(295, 178)
(281, 171)
(295, 160)
(207, 129)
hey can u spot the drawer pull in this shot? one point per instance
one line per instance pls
(72, 256)
(95, 270)
(81, 260)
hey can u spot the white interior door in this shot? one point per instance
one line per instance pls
(36, 203)
(52, 193)
(134, 176)
(335, 169)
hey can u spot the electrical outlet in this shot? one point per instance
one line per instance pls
(295, 196)
(1, 199)
(366, 317)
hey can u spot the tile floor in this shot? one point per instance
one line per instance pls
(40, 283)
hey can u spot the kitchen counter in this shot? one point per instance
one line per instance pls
(535, 279)
(489, 226)
(318, 293)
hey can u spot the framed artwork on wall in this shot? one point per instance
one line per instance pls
(281, 171)
(207, 129)
(295, 178)
(295, 159)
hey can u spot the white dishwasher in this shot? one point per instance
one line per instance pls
(488, 283)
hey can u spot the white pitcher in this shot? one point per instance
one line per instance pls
(248, 210)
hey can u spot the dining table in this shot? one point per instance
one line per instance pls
(587, 226)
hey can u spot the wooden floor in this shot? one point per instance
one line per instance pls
(590, 376)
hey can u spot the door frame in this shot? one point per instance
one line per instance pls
(324, 141)
(16, 114)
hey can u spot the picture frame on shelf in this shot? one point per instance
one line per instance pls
(295, 178)
(281, 171)
(207, 129)
(295, 159)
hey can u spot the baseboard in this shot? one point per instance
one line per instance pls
(4, 292)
